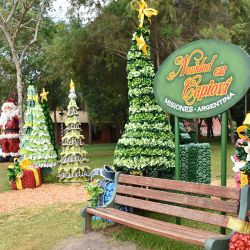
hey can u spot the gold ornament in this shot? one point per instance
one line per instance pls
(142, 44)
(44, 95)
(72, 85)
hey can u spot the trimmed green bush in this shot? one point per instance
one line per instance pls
(196, 162)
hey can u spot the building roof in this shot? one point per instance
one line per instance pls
(83, 116)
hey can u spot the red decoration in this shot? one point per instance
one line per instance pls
(28, 179)
(240, 242)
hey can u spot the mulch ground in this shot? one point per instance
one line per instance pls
(44, 195)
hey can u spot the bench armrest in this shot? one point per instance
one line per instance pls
(218, 243)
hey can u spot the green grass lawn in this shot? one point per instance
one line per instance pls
(41, 228)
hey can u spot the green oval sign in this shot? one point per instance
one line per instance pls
(202, 79)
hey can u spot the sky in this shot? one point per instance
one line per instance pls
(59, 9)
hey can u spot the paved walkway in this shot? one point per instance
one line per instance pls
(93, 241)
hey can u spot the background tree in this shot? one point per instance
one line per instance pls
(20, 22)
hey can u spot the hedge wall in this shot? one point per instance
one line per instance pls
(196, 162)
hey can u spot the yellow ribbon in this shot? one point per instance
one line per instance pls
(238, 225)
(25, 165)
(243, 179)
(143, 10)
(19, 184)
(242, 129)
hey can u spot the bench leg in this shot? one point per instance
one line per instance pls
(87, 226)
(219, 243)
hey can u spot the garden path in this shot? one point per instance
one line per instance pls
(44, 195)
(93, 241)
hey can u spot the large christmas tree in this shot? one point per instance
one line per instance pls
(73, 164)
(49, 123)
(39, 148)
(28, 123)
(146, 146)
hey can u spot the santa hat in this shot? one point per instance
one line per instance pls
(9, 104)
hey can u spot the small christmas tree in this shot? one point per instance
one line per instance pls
(39, 148)
(28, 124)
(73, 156)
(146, 146)
(49, 123)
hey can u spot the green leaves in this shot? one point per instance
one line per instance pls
(94, 191)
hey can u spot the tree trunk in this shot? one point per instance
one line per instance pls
(157, 51)
(55, 124)
(231, 127)
(19, 93)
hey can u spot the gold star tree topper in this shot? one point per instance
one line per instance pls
(72, 85)
(44, 95)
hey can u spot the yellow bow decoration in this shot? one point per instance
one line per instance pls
(26, 165)
(242, 129)
(142, 45)
(238, 225)
(143, 10)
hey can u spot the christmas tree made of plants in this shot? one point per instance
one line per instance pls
(49, 123)
(28, 123)
(73, 163)
(39, 149)
(146, 146)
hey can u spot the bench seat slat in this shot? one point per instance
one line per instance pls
(206, 217)
(191, 231)
(230, 206)
(189, 187)
(165, 229)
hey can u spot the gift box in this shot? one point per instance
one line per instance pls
(30, 179)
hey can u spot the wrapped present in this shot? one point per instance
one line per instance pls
(23, 175)
(30, 179)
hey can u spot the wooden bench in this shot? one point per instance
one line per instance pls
(197, 202)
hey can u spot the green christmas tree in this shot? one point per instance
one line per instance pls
(49, 123)
(73, 163)
(146, 146)
(39, 148)
(28, 123)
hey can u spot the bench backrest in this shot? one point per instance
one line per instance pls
(178, 198)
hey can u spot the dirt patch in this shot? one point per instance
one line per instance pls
(93, 241)
(230, 182)
(45, 195)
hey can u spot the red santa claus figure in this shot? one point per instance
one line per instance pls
(9, 126)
